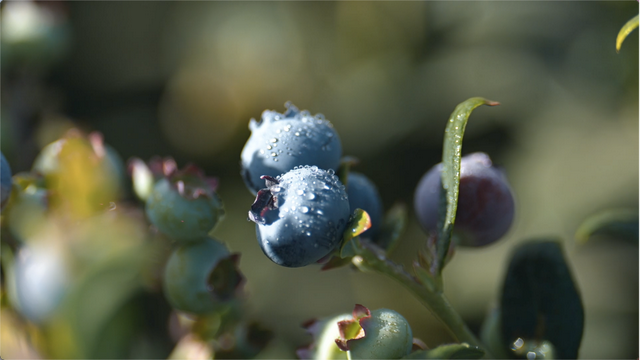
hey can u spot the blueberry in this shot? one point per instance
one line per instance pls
(281, 142)
(5, 180)
(485, 203)
(363, 194)
(187, 277)
(184, 206)
(300, 216)
(41, 280)
(377, 334)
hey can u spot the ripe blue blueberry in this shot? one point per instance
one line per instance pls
(300, 216)
(184, 206)
(363, 194)
(281, 142)
(201, 277)
(5, 180)
(485, 202)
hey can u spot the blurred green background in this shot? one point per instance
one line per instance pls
(183, 79)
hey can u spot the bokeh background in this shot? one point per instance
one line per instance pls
(183, 79)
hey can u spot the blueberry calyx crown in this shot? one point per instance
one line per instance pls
(225, 280)
(265, 201)
(190, 182)
(352, 329)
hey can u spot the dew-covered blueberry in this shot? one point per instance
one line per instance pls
(485, 202)
(201, 277)
(301, 216)
(363, 194)
(184, 205)
(5, 180)
(281, 142)
(377, 334)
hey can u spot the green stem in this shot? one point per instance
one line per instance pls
(369, 259)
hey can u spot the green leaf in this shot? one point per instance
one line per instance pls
(540, 300)
(451, 154)
(359, 223)
(395, 220)
(450, 351)
(620, 223)
(626, 30)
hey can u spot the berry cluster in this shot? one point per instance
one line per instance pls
(303, 208)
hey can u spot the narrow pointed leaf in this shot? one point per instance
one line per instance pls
(451, 154)
(618, 223)
(626, 30)
(540, 300)
(394, 223)
(360, 222)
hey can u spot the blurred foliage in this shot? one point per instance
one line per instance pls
(184, 78)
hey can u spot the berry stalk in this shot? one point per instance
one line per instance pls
(369, 258)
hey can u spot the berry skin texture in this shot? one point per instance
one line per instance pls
(485, 203)
(300, 217)
(377, 334)
(363, 194)
(180, 217)
(186, 276)
(281, 142)
(5, 180)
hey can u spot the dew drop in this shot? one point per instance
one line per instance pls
(310, 196)
(269, 147)
(274, 140)
(304, 209)
(274, 154)
(296, 133)
(300, 192)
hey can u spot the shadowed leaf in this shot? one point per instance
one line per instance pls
(540, 300)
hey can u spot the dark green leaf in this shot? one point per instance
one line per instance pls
(619, 223)
(393, 225)
(450, 351)
(540, 300)
(451, 154)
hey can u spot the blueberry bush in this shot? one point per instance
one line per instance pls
(395, 231)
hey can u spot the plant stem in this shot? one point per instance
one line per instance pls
(370, 259)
